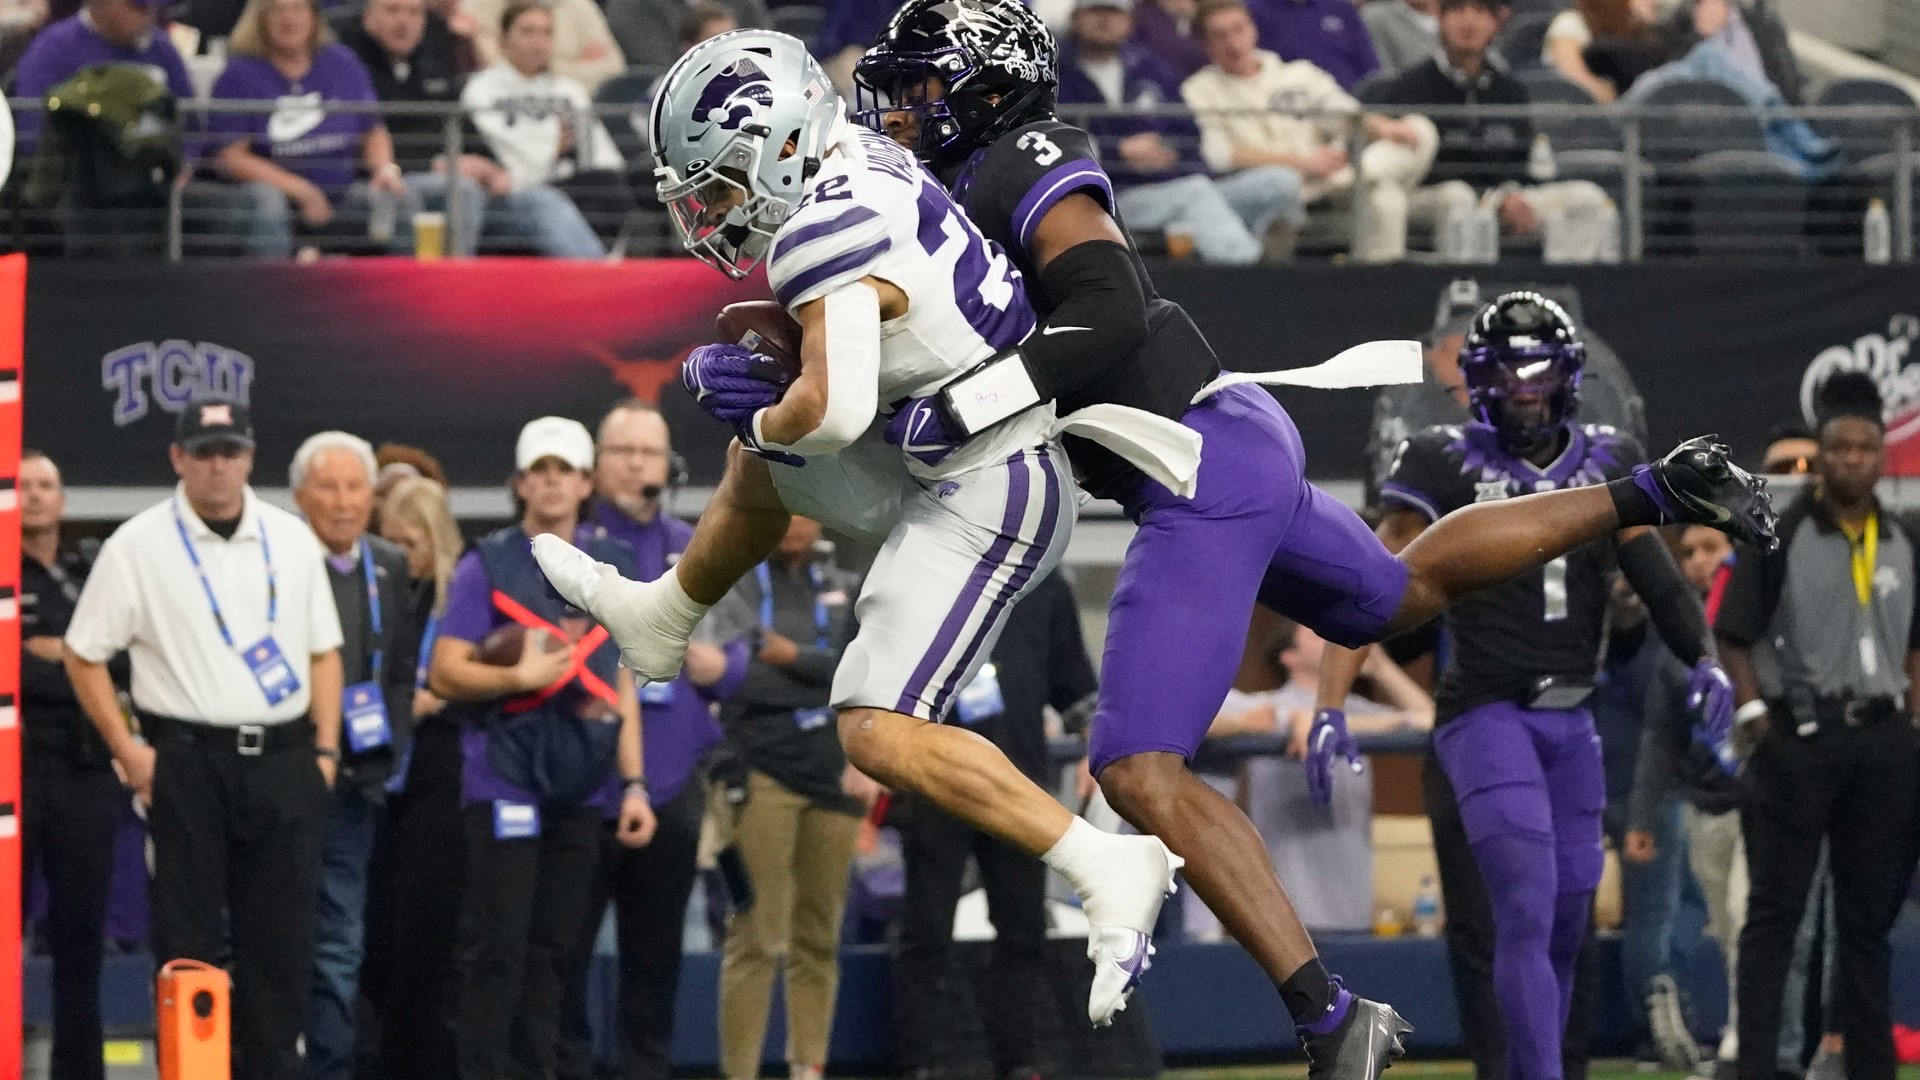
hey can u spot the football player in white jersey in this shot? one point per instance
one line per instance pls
(896, 294)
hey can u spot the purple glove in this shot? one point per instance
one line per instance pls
(1327, 738)
(1710, 700)
(732, 382)
(752, 445)
(920, 429)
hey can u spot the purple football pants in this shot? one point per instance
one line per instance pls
(1255, 530)
(1531, 791)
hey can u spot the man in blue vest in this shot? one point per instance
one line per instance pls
(634, 467)
(551, 748)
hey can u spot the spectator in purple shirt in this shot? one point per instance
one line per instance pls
(106, 32)
(1159, 179)
(1165, 29)
(1327, 33)
(300, 158)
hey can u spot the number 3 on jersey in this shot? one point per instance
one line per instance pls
(1044, 150)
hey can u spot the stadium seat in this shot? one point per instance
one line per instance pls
(632, 90)
(1863, 139)
(1521, 40)
(801, 20)
(1724, 121)
(1747, 203)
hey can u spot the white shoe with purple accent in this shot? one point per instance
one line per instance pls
(649, 620)
(1122, 904)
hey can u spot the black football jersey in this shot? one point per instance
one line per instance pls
(1007, 188)
(1549, 622)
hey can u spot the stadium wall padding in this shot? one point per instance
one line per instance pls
(454, 356)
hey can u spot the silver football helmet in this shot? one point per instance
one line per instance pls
(739, 124)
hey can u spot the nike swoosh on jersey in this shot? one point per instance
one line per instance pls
(1045, 331)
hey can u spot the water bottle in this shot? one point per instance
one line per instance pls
(1541, 167)
(383, 208)
(1484, 247)
(1426, 909)
(1877, 234)
(1556, 239)
(1608, 249)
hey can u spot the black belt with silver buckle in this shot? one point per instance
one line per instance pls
(1810, 712)
(246, 740)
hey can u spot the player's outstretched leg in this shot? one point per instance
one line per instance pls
(651, 621)
(1482, 545)
(1121, 879)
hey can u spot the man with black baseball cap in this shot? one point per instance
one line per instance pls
(223, 604)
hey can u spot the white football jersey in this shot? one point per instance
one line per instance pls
(872, 211)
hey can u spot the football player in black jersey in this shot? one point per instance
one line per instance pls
(970, 84)
(1515, 737)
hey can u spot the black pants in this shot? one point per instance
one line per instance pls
(520, 914)
(936, 846)
(71, 814)
(1851, 786)
(649, 888)
(1470, 945)
(427, 847)
(236, 843)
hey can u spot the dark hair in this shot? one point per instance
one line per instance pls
(1848, 393)
(423, 463)
(1787, 429)
(517, 8)
(1209, 8)
(696, 20)
(1492, 7)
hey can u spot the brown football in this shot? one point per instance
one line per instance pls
(503, 647)
(763, 326)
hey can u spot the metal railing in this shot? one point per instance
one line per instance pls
(1685, 180)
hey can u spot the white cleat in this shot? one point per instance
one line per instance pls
(1121, 907)
(628, 609)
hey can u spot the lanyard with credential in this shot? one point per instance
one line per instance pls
(427, 638)
(273, 583)
(373, 606)
(1865, 553)
(819, 609)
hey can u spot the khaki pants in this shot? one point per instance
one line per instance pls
(797, 856)
(1390, 197)
(1719, 861)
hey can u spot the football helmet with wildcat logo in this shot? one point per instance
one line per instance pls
(968, 71)
(738, 126)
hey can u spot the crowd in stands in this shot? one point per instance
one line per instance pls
(1279, 147)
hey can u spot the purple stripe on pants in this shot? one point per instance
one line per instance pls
(1016, 581)
(983, 572)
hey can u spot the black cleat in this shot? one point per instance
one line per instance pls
(1361, 1046)
(1698, 483)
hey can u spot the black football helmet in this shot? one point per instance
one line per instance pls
(997, 65)
(1523, 344)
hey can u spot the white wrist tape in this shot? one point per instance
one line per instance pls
(1750, 711)
(853, 371)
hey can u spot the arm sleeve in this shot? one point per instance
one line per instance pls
(1744, 610)
(469, 614)
(105, 619)
(853, 372)
(1653, 774)
(1095, 289)
(1674, 606)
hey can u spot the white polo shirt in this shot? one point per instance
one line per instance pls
(144, 596)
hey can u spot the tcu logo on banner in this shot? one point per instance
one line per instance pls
(175, 372)
(1885, 357)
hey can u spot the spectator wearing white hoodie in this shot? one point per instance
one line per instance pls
(540, 127)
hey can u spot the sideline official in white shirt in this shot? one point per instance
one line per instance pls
(224, 605)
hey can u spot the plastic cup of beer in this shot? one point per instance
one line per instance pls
(1179, 243)
(429, 236)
